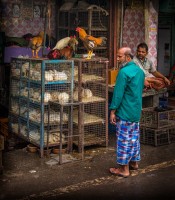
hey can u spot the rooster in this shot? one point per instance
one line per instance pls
(69, 51)
(64, 49)
(35, 44)
(73, 43)
(89, 41)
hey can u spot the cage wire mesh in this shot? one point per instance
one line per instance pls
(91, 89)
(35, 82)
(57, 117)
(155, 137)
(172, 134)
(63, 19)
(13, 124)
(95, 23)
(34, 133)
(61, 122)
(157, 119)
(93, 20)
(63, 117)
(14, 106)
(93, 123)
(23, 129)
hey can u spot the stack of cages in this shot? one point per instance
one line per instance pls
(94, 20)
(33, 83)
(64, 113)
(157, 126)
(91, 88)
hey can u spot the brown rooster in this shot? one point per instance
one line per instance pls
(68, 51)
(89, 41)
(64, 49)
(36, 43)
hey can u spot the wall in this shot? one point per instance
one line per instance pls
(140, 26)
(133, 28)
(152, 32)
(15, 25)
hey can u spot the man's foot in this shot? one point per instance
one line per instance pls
(118, 172)
(133, 168)
(133, 165)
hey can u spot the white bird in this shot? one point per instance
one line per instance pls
(62, 43)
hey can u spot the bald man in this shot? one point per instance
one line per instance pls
(125, 113)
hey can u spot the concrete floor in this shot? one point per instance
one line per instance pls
(26, 176)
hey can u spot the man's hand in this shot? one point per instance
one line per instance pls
(146, 83)
(113, 117)
(157, 82)
(159, 75)
(167, 82)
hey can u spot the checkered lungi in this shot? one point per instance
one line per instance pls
(128, 144)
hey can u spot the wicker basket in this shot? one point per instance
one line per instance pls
(31, 148)
(57, 150)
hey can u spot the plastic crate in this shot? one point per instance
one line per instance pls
(4, 126)
(154, 117)
(155, 137)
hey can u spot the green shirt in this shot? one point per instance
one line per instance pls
(127, 96)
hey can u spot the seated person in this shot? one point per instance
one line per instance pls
(153, 78)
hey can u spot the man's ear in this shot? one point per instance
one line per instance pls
(128, 57)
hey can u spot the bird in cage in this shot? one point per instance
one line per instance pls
(89, 41)
(36, 43)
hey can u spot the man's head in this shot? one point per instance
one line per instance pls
(142, 51)
(124, 55)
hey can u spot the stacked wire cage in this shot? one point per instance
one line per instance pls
(62, 116)
(157, 126)
(33, 83)
(91, 88)
(95, 21)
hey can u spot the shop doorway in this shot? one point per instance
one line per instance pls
(164, 44)
(166, 36)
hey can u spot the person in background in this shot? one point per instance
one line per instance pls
(154, 79)
(125, 112)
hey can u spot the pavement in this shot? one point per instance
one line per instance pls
(27, 176)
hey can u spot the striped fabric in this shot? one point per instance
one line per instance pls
(128, 144)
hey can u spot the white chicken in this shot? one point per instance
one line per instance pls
(87, 93)
(25, 68)
(63, 97)
(59, 75)
(62, 43)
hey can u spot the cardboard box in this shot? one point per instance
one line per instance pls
(112, 74)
